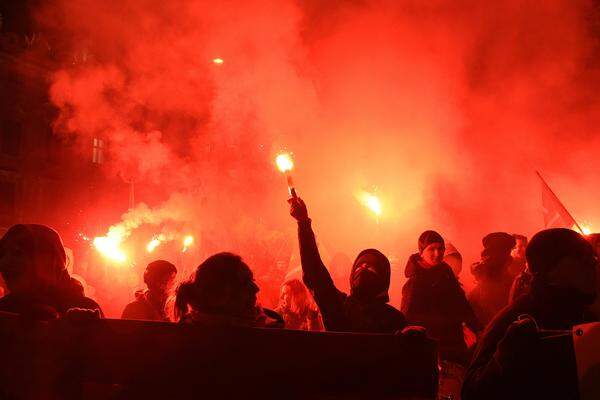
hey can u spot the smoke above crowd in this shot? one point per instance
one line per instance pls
(442, 110)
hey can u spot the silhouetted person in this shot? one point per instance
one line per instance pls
(33, 265)
(222, 292)
(506, 363)
(296, 307)
(150, 304)
(433, 298)
(491, 293)
(366, 308)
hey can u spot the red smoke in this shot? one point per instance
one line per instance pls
(444, 108)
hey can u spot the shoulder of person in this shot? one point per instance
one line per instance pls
(393, 311)
(89, 303)
(506, 316)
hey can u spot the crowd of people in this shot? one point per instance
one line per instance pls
(487, 340)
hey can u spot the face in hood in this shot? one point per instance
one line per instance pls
(370, 276)
(32, 257)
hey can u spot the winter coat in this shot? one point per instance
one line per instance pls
(144, 309)
(433, 298)
(490, 377)
(493, 288)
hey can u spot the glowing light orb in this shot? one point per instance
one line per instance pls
(586, 229)
(370, 201)
(152, 245)
(218, 61)
(284, 162)
(109, 247)
(187, 242)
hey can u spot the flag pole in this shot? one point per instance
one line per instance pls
(559, 202)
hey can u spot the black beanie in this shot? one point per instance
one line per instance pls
(548, 247)
(429, 237)
(499, 242)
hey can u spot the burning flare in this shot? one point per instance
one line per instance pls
(154, 243)
(586, 229)
(370, 201)
(284, 162)
(187, 242)
(110, 246)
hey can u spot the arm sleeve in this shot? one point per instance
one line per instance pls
(318, 280)
(468, 315)
(486, 378)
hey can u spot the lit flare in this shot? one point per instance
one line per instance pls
(110, 247)
(187, 242)
(284, 162)
(586, 229)
(370, 201)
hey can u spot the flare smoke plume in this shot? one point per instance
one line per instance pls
(443, 108)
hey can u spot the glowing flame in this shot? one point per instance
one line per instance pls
(370, 201)
(284, 162)
(586, 229)
(109, 247)
(218, 61)
(152, 245)
(187, 242)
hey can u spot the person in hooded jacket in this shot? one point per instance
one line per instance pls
(33, 265)
(151, 304)
(494, 281)
(433, 298)
(510, 361)
(366, 309)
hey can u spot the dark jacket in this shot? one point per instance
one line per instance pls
(489, 377)
(144, 309)
(46, 302)
(341, 312)
(491, 294)
(433, 298)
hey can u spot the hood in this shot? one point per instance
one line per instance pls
(48, 258)
(380, 282)
(412, 265)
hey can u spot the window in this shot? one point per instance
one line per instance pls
(98, 154)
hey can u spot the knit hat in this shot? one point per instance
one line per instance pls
(548, 247)
(499, 242)
(429, 237)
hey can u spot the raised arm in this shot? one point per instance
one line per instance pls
(315, 275)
